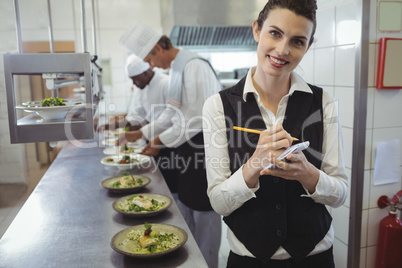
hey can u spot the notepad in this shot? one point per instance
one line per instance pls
(292, 149)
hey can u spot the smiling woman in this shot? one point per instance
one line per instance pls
(286, 203)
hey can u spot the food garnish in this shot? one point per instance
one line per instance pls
(139, 203)
(149, 241)
(127, 181)
(52, 101)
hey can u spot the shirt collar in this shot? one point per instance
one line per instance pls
(297, 83)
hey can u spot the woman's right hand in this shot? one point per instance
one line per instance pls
(272, 142)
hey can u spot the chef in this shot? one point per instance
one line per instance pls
(191, 81)
(148, 98)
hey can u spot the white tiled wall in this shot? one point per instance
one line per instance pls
(334, 70)
(334, 65)
(11, 156)
(384, 122)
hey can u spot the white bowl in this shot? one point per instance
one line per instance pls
(51, 112)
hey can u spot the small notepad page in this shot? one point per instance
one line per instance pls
(292, 149)
(387, 163)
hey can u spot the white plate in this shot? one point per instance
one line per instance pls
(116, 150)
(114, 133)
(51, 112)
(110, 141)
(143, 160)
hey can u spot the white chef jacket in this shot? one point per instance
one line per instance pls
(227, 191)
(148, 103)
(199, 83)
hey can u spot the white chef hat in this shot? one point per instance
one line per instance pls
(135, 65)
(140, 39)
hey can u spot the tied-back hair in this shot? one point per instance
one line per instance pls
(305, 8)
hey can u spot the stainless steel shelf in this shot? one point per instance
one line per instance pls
(34, 129)
(34, 119)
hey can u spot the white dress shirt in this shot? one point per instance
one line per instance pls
(199, 83)
(148, 103)
(227, 191)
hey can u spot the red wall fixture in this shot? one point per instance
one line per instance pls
(389, 246)
(389, 69)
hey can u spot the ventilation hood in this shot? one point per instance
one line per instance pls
(211, 24)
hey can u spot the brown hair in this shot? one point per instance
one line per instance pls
(164, 42)
(305, 8)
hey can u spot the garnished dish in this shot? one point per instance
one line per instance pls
(149, 240)
(141, 205)
(125, 162)
(115, 132)
(50, 108)
(53, 102)
(126, 183)
(125, 159)
(125, 149)
(110, 141)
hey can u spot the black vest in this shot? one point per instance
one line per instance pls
(278, 216)
(192, 180)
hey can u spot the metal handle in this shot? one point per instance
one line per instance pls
(94, 28)
(83, 27)
(18, 26)
(50, 27)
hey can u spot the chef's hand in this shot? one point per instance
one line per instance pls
(129, 136)
(103, 128)
(153, 147)
(295, 168)
(272, 141)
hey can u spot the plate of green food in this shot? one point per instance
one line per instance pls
(124, 149)
(127, 183)
(142, 205)
(149, 240)
(50, 108)
(125, 162)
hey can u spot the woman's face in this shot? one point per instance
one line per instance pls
(282, 41)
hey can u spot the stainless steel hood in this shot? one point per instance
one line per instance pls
(211, 24)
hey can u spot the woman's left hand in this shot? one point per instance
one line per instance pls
(297, 167)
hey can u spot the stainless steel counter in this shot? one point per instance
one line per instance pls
(68, 221)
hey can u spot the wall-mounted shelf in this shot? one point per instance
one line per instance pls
(34, 129)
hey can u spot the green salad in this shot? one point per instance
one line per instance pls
(149, 241)
(52, 102)
(139, 203)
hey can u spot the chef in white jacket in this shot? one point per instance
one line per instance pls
(191, 81)
(149, 95)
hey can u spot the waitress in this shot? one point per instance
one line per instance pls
(276, 217)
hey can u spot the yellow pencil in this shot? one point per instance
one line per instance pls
(255, 131)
